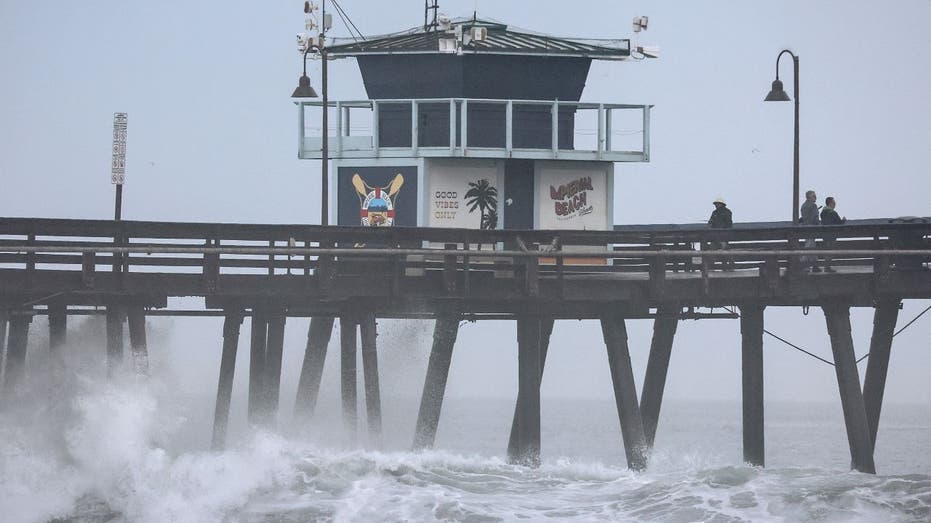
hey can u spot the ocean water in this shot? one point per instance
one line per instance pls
(77, 447)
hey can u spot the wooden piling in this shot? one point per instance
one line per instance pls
(874, 383)
(614, 332)
(308, 387)
(221, 413)
(434, 388)
(57, 328)
(751, 332)
(528, 412)
(837, 317)
(347, 342)
(257, 364)
(138, 345)
(4, 321)
(114, 338)
(545, 332)
(271, 385)
(15, 370)
(368, 334)
(654, 383)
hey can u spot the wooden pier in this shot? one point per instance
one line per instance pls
(128, 270)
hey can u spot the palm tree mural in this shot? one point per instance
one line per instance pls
(484, 197)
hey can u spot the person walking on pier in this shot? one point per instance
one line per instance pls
(721, 218)
(809, 216)
(829, 216)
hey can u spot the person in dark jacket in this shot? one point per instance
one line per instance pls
(829, 216)
(721, 218)
(809, 212)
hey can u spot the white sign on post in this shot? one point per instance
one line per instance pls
(118, 164)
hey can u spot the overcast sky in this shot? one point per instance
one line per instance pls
(212, 137)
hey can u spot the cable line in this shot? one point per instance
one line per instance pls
(790, 344)
(347, 21)
(896, 333)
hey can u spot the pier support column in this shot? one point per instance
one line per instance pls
(15, 370)
(528, 395)
(257, 364)
(114, 338)
(227, 370)
(347, 372)
(545, 332)
(664, 332)
(837, 317)
(614, 331)
(308, 388)
(874, 383)
(751, 332)
(368, 333)
(273, 353)
(434, 387)
(137, 340)
(57, 328)
(4, 321)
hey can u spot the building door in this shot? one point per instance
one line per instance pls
(518, 194)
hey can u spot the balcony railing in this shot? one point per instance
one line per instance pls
(477, 128)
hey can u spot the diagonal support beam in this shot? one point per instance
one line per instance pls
(225, 383)
(654, 383)
(434, 388)
(614, 331)
(308, 388)
(368, 334)
(874, 384)
(837, 317)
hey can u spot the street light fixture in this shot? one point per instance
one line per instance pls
(304, 90)
(778, 94)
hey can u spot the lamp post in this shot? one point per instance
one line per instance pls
(778, 94)
(304, 90)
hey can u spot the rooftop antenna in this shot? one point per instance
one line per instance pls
(429, 24)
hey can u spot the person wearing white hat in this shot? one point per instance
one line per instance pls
(721, 218)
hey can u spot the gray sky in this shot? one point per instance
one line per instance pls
(212, 137)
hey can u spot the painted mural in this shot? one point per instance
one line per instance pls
(572, 198)
(463, 196)
(377, 196)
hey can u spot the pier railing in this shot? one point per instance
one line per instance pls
(477, 128)
(213, 249)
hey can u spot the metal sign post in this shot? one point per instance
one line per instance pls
(118, 164)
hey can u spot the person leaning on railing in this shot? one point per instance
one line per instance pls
(829, 216)
(721, 218)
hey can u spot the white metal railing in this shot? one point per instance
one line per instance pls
(628, 143)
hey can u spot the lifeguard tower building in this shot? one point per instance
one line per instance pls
(471, 123)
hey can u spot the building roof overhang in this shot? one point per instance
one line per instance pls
(499, 39)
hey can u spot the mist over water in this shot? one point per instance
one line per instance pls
(75, 446)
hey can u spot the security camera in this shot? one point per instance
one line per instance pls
(301, 42)
(640, 23)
